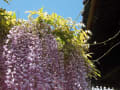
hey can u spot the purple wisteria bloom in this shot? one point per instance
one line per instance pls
(31, 62)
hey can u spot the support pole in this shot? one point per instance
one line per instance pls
(91, 14)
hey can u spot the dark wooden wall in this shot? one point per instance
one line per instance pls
(106, 23)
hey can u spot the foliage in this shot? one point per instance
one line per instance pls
(7, 1)
(69, 34)
(47, 51)
(7, 20)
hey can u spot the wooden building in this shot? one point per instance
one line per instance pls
(102, 17)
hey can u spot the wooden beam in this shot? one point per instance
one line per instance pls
(91, 13)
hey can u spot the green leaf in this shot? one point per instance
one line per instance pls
(14, 15)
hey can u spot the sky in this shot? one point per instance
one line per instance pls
(65, 8)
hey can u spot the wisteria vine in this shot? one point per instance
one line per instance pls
(32, 62)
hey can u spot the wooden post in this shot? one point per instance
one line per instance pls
(91, 14)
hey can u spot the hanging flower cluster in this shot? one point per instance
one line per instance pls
(34, 63)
